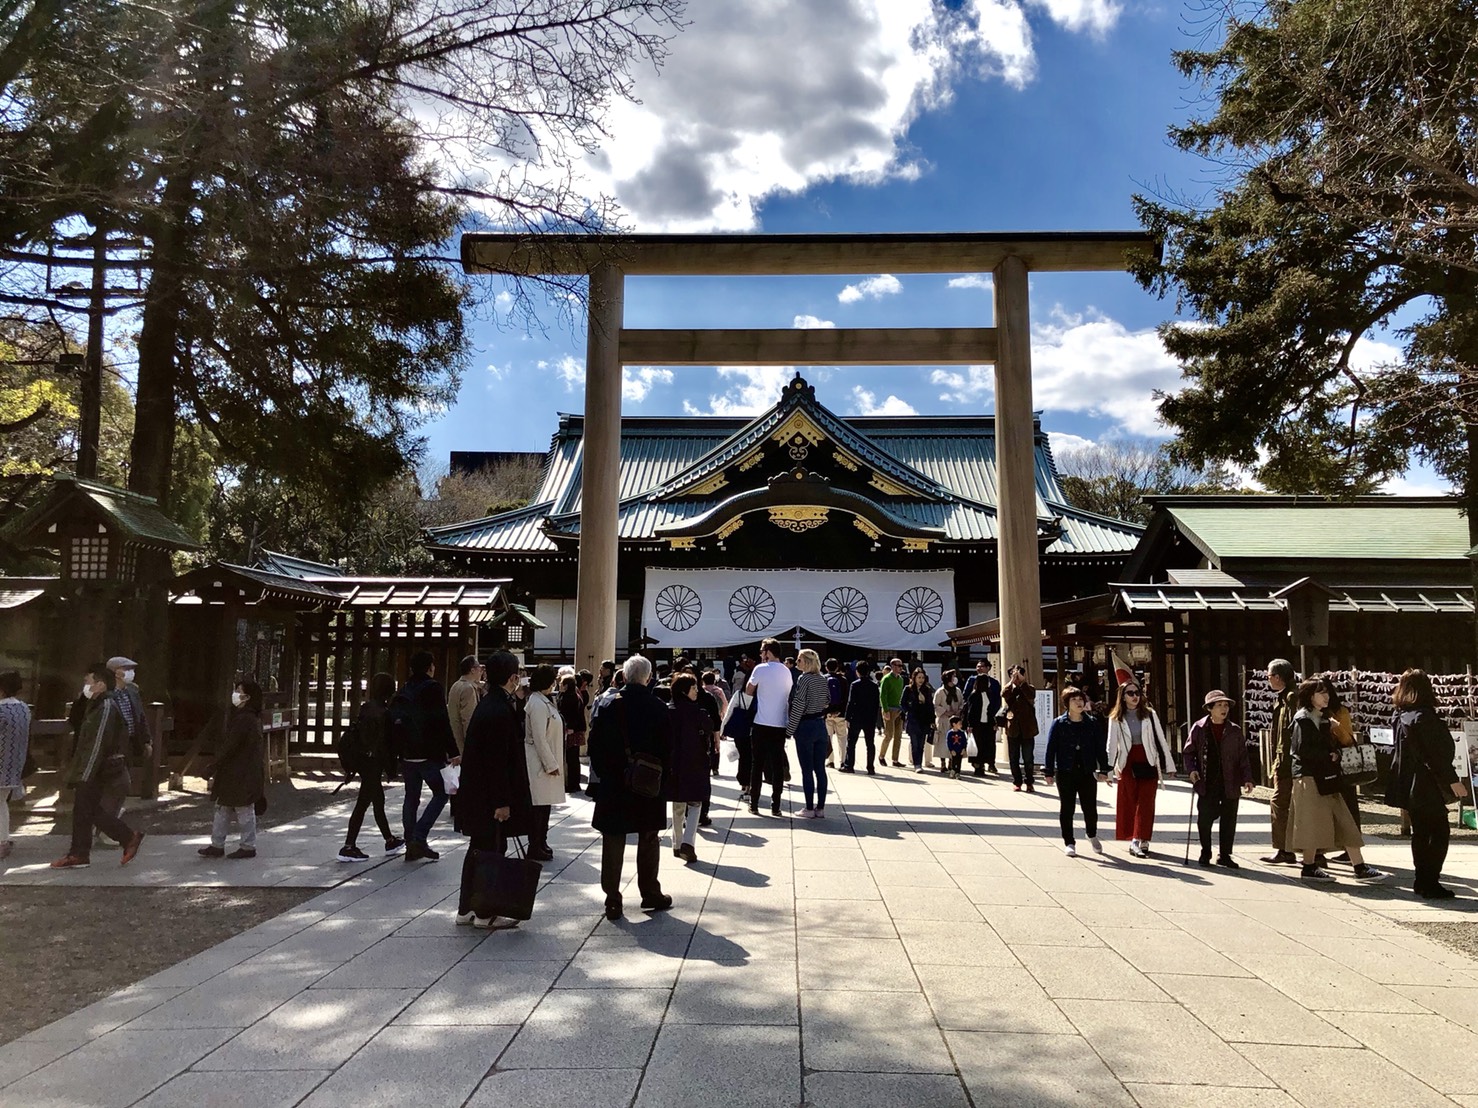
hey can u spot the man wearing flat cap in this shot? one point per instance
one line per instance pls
(130, 702)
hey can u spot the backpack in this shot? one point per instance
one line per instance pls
(355, 749)
(402, 726)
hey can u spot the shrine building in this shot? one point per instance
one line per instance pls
(856, 535)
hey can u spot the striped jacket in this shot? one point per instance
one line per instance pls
(102, 738)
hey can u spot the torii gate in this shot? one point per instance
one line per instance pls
(608, 259)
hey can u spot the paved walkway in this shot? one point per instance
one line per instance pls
(926, 944)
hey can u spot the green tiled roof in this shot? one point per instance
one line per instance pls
(136, 517)
(1366, 529)
(949, 463)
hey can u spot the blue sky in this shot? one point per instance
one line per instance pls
(871, 115)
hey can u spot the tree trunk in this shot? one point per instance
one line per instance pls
(1469, 494)
(155, 414)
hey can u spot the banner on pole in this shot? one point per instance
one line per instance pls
(881, 609)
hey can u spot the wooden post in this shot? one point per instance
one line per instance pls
(595, 603)
(1020, 586)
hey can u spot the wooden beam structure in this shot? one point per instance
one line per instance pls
(609, 259)
(820, 346)
(527, 255)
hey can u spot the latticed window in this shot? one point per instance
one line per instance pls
(89, 558)
(129, 566)
(515, 633)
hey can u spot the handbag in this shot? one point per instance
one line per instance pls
(740, 720)
(1328, 781)
(504, 886)
(1357, 764)
(972, 748)
(1143, 771)
(643, 771)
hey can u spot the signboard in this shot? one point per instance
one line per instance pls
(276, 719)
(1383, 736)
(1460, 759)
(1046, 712)
(1470, 737)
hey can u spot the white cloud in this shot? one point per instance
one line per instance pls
(867, 404)
(755, 389)
(1065, 443)
(497, 372)
(812, 323)
(636, 381)
(840, 83)
(972, 384)
(1372, 353)
(1094, 16)
(874, 288)
(972, 281)
(1096, 365)
(1423, 484)
(569, 369)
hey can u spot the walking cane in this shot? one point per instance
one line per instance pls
(1189, 824)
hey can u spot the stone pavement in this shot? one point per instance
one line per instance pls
(926, 944)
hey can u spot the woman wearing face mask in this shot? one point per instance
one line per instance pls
(236, 782)
(947, 702)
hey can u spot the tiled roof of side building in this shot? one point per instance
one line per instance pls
(1282, 528)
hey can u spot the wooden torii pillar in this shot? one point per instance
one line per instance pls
(609, 259)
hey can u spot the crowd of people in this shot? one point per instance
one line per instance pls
(505, 746)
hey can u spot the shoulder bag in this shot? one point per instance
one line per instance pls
(740, 720)
(1357, 763)
(643, 771)
(1144, 771)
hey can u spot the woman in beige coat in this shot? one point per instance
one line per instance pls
(543, 742)
(947, 702)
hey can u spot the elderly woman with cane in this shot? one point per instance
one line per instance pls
(1220, 770)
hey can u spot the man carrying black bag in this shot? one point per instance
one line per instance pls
(630, 750)
(493, 797)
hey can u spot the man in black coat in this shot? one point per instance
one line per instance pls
(422, 731)
(493, 798)
(637, 721)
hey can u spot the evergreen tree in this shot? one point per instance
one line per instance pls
(1348, 134)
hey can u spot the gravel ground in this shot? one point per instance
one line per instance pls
(67, 947)
(1462, 937)
(1377, 819)
(190, 810)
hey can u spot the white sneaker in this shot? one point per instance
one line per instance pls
(1134, 847)
(464, 918)
(497, 923)
(1070, 850)
(808, 813)
(1095, 844)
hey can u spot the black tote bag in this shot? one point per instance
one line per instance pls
(504, 886)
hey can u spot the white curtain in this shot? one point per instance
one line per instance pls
(883, 609)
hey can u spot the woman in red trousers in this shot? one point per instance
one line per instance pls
(1140, 756)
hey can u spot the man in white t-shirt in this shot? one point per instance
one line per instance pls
(769, 684)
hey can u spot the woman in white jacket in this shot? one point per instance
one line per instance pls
(543, 745)
(947, 702)
(1140, 756)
